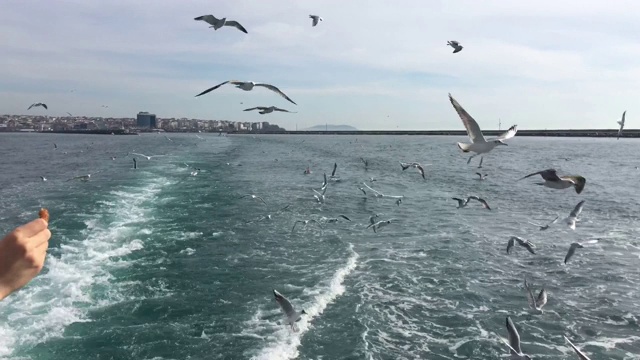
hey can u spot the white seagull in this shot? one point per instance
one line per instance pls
(455, 45)
(514, 342)
(480, 200)
(481, 177)
(535, 304)
(38, 104)
(248, 86)
(573, 216)
(621, 123)
(333, 176)
(218, 23)
(267, 110)
(553, 181)
(292, 315)
(381, 195)
(147, 156)
(315, 19)
(524, 243)
(580, 354)
(545, 227)
(479, 144)
(577, 245)
(379, 224)
(253, 197)
(416, 165)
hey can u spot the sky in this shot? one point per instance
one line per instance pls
(374, 65)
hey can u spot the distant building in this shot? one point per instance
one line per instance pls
(146, 120)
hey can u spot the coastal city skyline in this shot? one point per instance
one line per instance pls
(538, 65)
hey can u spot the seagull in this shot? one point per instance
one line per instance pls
(135, 163)
(320, 195)
(455, 45)
(55, 146)
(514, 342)
(363, 191)
(573, 216)
(43, 178)
(365, 162)
(480, 165)
(253, 197)
(461, 203)
(482, 177)
(553, 181)
(482, 201)
(545, 227)
(621, 122)
(416, 165)
(146, 156)
(478, 143)
(69, 114)
(248, 86)
(292, 316)
(381, 195)
(267, 110)
(580, 354)
(577, 245)
(535, 303)
(38, 104)
(218, 23)
(81, 178)
(333, 176)
(315, 20)
(372, 219)
(304, 222)
(398, 202)
(379, 225)
(524, 243)
(333, 220)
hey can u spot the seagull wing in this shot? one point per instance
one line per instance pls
(273, 88)
(421, 171)
(261, 199)
(507, 134)
(484, 204)
(578, 181)
(210, 19)
(30, 106)
(554, 220)
(530, 298)
(549, 175)
(286, 306)
(335, 167)
(294, 225)
(278, 109)
(572, 250)
(529, 246)
(44, 106)
(236, 25)
(324, 184)
(344, 217)
(473, 130)
(514, 337)
(510, 244)
(580, 354)
(577, 210)
(143, 155)
(255, 108)
(213, 88)
(368, 187)
(542, 299)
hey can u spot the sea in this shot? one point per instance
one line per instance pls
(154, 263)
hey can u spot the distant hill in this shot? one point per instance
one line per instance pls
(330, 127)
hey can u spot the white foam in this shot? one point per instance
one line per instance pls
(287, 342)
(62, 294)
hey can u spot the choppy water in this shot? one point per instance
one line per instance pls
(156, 264)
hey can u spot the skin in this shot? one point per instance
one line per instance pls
(22, 255)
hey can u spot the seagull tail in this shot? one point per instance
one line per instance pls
(464, 147)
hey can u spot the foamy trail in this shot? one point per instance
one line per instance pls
(64, 292)
(286, 345)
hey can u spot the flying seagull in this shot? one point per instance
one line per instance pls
(218, 23)
(482, 177)
(416, 165)
(381, 195)
(580, 354)
(362, 189)
(479, 144)
(248, 86)
(333, 220)
(267, 110)
(524, 243)
(55, 146)
(553, 181)
(292, 316)
(545, 227)
(365, 162)
(315, 20)
(577, 245)
(376, 226)
(147, 156)
(482, 201)
(455, 45)
(333, 173)
(461, 203)
(535, 304)
(38, 104)
(573, 216)
(135, 163)
(621, 123)
(43, 178)
(253, 197)
(514, 342)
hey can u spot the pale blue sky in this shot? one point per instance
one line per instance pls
(370, 64)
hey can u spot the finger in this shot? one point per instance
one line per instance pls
(40, 255)
(40, 238)
(33, 227)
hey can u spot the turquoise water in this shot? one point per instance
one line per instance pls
(156, 264)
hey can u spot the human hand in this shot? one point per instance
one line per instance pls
(22, 255)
